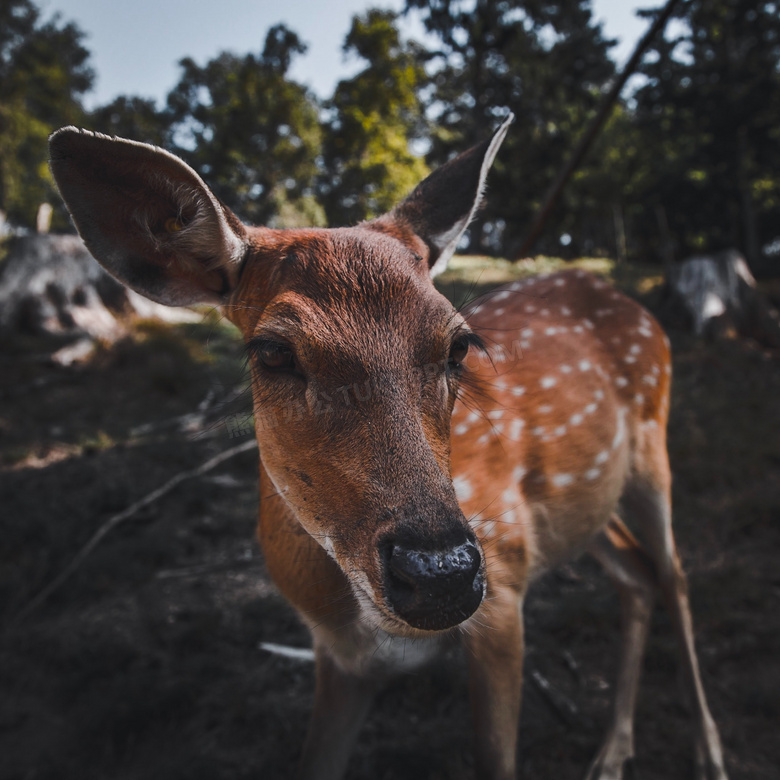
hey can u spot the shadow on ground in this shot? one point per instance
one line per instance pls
(146, 663)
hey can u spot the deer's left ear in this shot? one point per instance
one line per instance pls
(148, 218)
(441, 207)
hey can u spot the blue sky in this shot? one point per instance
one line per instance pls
(136, 44)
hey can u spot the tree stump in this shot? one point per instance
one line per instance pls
(51, 285)
(720, 297)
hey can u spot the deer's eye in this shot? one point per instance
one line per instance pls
(459, 349)
(274, 356)
(458, 352)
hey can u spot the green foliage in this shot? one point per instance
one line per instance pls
(698, 145)
(709, 122)
(248, 129)
(44, 72)
(132, 117)
(545, 61)
(373, 119)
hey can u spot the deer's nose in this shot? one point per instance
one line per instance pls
(433, 589)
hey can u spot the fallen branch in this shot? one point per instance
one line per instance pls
(126, 514)
(559, 703)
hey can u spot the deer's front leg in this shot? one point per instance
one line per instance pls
(494, 643)
(341, 701)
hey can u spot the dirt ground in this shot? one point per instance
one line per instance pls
(146, 665)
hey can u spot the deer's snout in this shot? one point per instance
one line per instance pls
(433, 589)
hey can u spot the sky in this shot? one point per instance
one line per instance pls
(137, 44)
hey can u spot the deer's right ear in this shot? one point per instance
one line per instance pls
(441, 207)
(148, 218)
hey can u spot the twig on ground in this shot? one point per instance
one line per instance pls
(285, 651)
(560, 704)
(119, 518)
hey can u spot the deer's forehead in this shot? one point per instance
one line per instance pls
(341, 287)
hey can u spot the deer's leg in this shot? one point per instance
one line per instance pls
(629, 568)
(652, 507)
(341, 701)
(494, 644)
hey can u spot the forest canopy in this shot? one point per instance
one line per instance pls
(689, 158)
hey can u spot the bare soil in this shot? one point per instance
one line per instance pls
(146, 665)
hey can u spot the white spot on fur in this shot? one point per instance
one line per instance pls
(564, 369)
(590, 408)
(498, 312)
(588, 324)
(548, 381)
(526, 333)
(502, 296)
(515, 429)
(621, 381)
(576, 419)
(592, 474)
(545, 409)
(560, 430)
(538, 431)
(585, 365)
(560, 282)
(639, 399)
(544, 312)
(562, 480)
(495, 414)
(566, 311)
(530, 309)
(635, 349)
(463, 488)
(650, 380)
(620, 430)
(461, 429)
(518, 473)
(550, 331)
(629, 359)
(598, 395)
(578, 329)
(327, 545)
(601, 458)
(517, 391)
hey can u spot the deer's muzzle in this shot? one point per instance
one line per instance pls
(433, 589)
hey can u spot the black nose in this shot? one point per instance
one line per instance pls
(433, 589)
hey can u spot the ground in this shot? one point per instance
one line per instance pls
(146, 662)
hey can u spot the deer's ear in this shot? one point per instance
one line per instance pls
(148, 218)
(441, 207)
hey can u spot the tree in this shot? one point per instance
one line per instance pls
(249, 130)
(44, 72)
(374, 118)
(132, 117)
(545, 61)
(709, 116)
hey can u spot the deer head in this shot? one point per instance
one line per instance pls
(356, 359)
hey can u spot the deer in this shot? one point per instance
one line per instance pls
(420, 465)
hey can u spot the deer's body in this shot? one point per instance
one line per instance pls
(419, 466)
